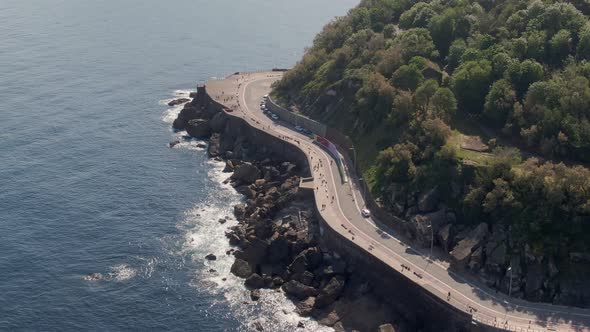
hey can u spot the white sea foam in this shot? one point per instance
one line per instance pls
(203, 234)
(206, 235)
(121, 272)
(172, 112)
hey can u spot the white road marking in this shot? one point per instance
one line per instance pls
(382, 246)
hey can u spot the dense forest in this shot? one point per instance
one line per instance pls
(488, 102)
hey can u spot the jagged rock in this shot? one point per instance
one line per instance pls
(329, 318)
(476, 259)
(444, 236)
(465, 247)
(255, 251)
(425, 224)
(217, 122)
(240, 211)
(198, 128)
(313, 257)
(213, 148)
(278, 249)
(277, 281)
(246, 172)
(255, 294)
(300, 325)
(428, 200)
(179, 123)
(233, 239)
(229, 167)
(178, 101)
(241, 268)
(298, 290)
(211, 257)
(246, 191)
(299, 264)
(496, 255)
(255, 281)
(386, 328)
(534, 280)
(222, 220)
(305, 308)
(258, 326)
(330, 292)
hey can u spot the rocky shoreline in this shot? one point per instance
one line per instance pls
(277, 238)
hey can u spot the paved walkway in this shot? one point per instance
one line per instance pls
(340, 204)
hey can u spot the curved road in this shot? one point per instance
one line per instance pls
(340, 204)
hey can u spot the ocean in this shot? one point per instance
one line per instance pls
(87, 181)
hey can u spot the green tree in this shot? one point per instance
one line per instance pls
(444, 104)
(471, 84)
(456, 51)
(407, 77)
(560, 46)
(425, 92)
(523, 74)
(396, 163)
(415, 42)
(416, 17)
(583, 49)
(499, 102)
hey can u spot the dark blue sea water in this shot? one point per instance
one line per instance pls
(87, 183)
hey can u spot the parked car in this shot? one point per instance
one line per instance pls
(365, 213)
(275, 117)
(299, 128)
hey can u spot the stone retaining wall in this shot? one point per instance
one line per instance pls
(397, 290)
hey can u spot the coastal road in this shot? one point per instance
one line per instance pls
(340, 204)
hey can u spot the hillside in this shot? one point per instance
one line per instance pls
(471, 116)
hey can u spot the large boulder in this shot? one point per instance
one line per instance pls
(535, 276)
(426, 225)
(472, 241)
(386, 328)
(330, 292)
(255, 281)
(304, 308)
(217, 122)
(213, 148)
(313, 257)
(179, 123)
(428, 200)
(279, 249)
(241, 268)
(255, 251)
(178, 101)
(444, 236)
(298, 290)
(299, 264)
(198, 128)
(246, 172)
(240, 211)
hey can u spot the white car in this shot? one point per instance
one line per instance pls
(365, 213)
(274, 116)
(299, 128)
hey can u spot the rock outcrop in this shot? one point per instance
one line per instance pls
(277, 232)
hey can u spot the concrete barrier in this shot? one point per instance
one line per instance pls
(296, 119)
